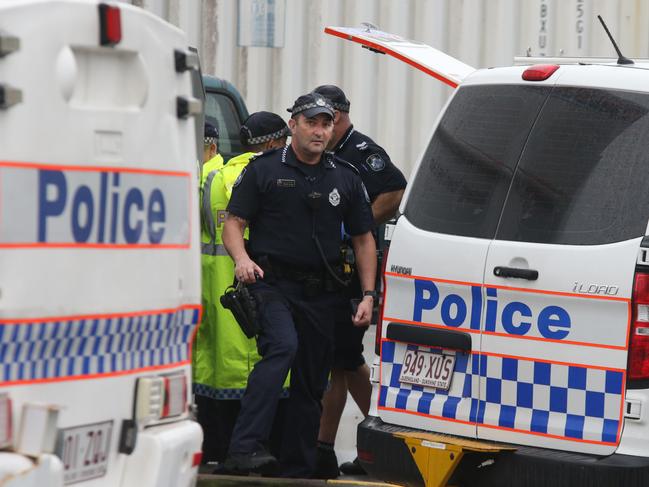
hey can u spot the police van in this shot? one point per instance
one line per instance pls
(514, 337)
(100, 137)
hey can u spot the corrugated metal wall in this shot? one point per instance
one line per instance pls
(391, 102)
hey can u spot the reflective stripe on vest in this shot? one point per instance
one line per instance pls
(212, 248)
(206, 209)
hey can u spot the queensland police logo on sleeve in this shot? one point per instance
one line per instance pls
(239, 178)
(334, 197)
(376, 162)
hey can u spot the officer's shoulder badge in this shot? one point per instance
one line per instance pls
(375, 162)
(239, 178)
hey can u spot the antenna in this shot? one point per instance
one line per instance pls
(620, 59)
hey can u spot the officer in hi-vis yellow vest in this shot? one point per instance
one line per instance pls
(223, 357)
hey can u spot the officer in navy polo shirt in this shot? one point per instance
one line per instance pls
(294, 201)
(385, 184)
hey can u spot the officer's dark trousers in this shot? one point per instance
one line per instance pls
(297, 335)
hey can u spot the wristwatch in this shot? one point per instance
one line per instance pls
(370, 293)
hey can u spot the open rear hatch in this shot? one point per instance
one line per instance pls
(421, 56)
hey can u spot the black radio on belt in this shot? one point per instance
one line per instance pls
(243, 307)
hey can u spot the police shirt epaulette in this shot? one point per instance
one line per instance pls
(262, 154)
(344, 163)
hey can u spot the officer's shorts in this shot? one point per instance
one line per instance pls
(348, 340)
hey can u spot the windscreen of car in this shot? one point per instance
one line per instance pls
(583, 177)
(467, 169)
(221, 112)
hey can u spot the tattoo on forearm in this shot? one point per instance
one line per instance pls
(236, 218)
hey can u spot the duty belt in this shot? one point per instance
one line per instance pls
(315, 278)
(292, 273)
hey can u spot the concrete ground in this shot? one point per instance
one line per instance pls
(346, 439)
(345, 448)
(226, 481)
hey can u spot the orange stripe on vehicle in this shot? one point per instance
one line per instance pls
(554, 340)
(629, 323)
(190, 345)
(548, 435)
(502, 428)
(67, 167)
(75, 245)
(533, 359)
(507, 335)
(434, 279)
(15, 321)
(417, 413)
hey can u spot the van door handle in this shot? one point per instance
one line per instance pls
(529, 274)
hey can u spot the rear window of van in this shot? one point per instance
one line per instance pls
(583, 177)
(527, 163)
(468, 167)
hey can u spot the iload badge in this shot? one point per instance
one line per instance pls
(334, 197)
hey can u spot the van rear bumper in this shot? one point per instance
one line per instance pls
(391, 461)
(164, 456)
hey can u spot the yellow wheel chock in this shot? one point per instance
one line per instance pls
(437, 456)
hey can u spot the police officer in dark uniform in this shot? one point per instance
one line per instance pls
(385, 184)
(294, 201)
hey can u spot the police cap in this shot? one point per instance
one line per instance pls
(335, 95)
(261, 127)
(311, 105)
(210, 134)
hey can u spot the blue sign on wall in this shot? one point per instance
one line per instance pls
(261, 23)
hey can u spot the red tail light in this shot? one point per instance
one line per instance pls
(110, 25)
(379, 323)
(540, 72)
(638, 368)
(196, 459)
(175, 397)
(365, 456)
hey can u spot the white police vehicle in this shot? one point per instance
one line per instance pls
(516, 307)
(99, 247)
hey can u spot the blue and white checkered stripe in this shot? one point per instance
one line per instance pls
(225, 394)
(456, 403)
(107, 345)
(562, 400)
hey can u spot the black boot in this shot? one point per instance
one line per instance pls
(326, 466)
(260, 462)
(352, 468)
